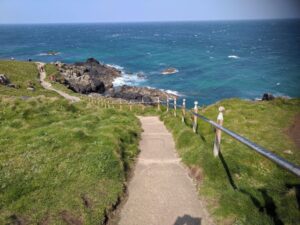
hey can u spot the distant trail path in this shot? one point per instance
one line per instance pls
(161, 192)
(48, 86)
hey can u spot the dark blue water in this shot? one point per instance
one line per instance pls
(215, 59)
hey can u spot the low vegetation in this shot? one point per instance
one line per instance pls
(242, 187)
(63, 163)
(60, 163)
(23, 75)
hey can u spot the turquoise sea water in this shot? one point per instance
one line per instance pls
(215, 59)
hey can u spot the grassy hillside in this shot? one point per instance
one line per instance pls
(242, 187)
(22, 74)
(62, 162)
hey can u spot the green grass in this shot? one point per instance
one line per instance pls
(62, 162)
(21, 74)
(59, 160)
(242, 187)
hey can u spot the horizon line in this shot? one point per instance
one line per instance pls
(163, 21)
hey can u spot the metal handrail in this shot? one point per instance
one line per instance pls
(295, 169)
(261, 150)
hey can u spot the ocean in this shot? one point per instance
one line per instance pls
(215, 60)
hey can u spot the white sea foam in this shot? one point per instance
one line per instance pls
(233, 57)
(116, 66)
(168, 91)
(127, 79)
(49, 54)
(115, 35)
(173, 92)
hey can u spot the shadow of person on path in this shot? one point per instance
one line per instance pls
(187, 220)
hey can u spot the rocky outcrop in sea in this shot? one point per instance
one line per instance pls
(95, 77)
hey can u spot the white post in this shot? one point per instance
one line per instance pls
(183, 110)
(143, 107)
(175, 107)
(195, 117)
(120, 104)
(167, 104)
(217, 144)
(158, 104)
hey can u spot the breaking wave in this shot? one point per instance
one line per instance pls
(233, 57)
(126, 78)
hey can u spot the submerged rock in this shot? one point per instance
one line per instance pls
(169, 71)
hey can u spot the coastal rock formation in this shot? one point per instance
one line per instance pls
(267, 97)
(94, 77)
(148, 95)
(89, 76)
(4, 80)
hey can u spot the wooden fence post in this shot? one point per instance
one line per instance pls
(217, 144)
(158, 104)
(175, 107)
(130, 105)
(195, 117)
(167, 104)
(143, 105)
(183, 111)
(120, 104)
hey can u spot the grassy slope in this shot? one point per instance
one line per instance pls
(21, 73)
(59, 162)
(242, 187)
(46, 172)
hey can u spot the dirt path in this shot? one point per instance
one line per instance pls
(48, 86)
(161, 192)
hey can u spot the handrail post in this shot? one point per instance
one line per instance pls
(175, 107)
(217, 144)
(195, 117)
(167, 104)
(158, 104)
(183, 110)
